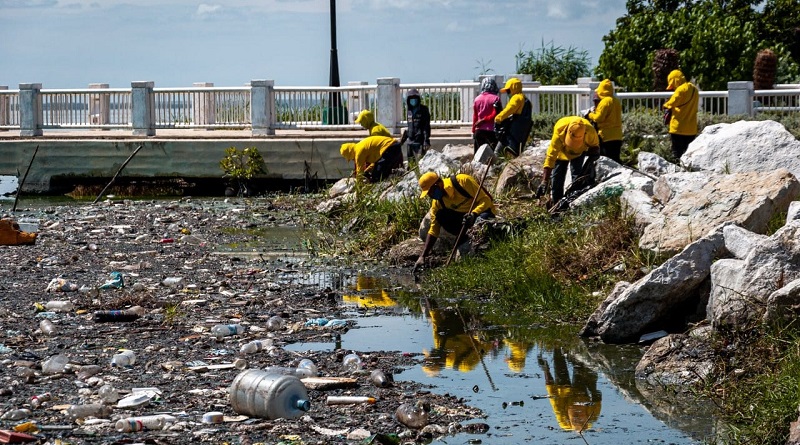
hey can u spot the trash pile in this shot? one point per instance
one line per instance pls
(121, 323)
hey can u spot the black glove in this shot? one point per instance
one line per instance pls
(469, 219)
(541, 190)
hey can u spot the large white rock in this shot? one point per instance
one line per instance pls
(744, 146)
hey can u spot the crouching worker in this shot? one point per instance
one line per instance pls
(451, 201)
(375, 157)
(573, 138)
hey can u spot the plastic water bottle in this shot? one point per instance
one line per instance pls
(351, 363)
(413, 415)
(55, 364)
(108, 393)
(276, 323)
(16, 414)
(130, 314)
(262, 394)
(139, 423)
(225, 330)
(88, 410)
(59, 306)
(379, 379)
(124, 358)
(306, 368)
(39, 399)
(254, 346)
(47, 327)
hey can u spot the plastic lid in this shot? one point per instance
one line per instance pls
(303, 405)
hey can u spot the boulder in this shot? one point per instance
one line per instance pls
(741, 287)
(523, 173)
(459, 152)
(660, 298)
(655, 165)
(784, 304)
(744, 146)
(749, 199)
(678, 360)
(642, 207)
(342, 187)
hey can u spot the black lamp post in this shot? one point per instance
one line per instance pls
(335, 112)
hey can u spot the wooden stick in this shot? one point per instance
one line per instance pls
(24, 177)
(471, 206)
(117, 173)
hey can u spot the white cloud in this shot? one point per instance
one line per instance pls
(455, 26)
(205, 9)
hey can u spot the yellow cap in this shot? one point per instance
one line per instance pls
(348, 151)
(575, 133)
(426, 181)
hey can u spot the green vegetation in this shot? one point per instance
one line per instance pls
(554, 65)
(242, 166)
(716, 41)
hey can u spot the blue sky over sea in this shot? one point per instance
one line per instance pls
(71, 43)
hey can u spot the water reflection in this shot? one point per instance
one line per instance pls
(370, 293)
(575, 399)
(453, 346)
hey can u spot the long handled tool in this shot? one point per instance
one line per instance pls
(25, 176)
(117, 173)
(471, 206)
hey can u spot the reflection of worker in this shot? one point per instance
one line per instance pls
(517, 352)
(453, 347)
(369, 293)
(576, 402)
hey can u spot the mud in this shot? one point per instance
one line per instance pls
(149, 242)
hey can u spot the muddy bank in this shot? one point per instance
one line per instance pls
(165, 251)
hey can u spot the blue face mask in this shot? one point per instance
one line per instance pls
(437, 193)
(413, 102)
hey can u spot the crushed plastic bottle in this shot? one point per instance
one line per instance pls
(380, 379)
(59, 306)
(306, 368)
(276, 323)
(124, 358)
(225, 330)
(351, 363)
(140, 423)
(61, 285)
(88, 410)
(39, 399)
(414, 415)
(16, 414)
(47, 327)
(108, 394)
(254, 346)
(55, 364)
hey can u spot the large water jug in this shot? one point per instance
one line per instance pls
(267, 395)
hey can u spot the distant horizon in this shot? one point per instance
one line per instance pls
(174, 43)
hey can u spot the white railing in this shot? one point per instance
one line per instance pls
(202, 107)
(263, 107)
(86, 108)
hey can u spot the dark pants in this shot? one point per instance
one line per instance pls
(512, 145)
(560, 175)
(453, 221)
(391, 159)
(414, 151)
(484, 137)
(611, 150)
(680, 142)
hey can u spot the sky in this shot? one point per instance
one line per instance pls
(175, 43)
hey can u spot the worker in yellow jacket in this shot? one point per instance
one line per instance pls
(607, 115)
(683, 103)
(451, 201)
(375, 157)
(573, 138)
(513, 124)
(367, 120)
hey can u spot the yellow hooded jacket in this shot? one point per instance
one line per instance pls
(684, 103)
(366, 152)
(515, 103)
(367, 120)
(454, 200)
(558, 149)
(608, 113)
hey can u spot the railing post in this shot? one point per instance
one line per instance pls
(143, 108)
(4, 120)
(468, 95)
(740, 98)
(204, 110)
(389, 103)
(583, 101)
(535, 98)
(30, 109)
(359, 99)
(262, 107)
(99, 105)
